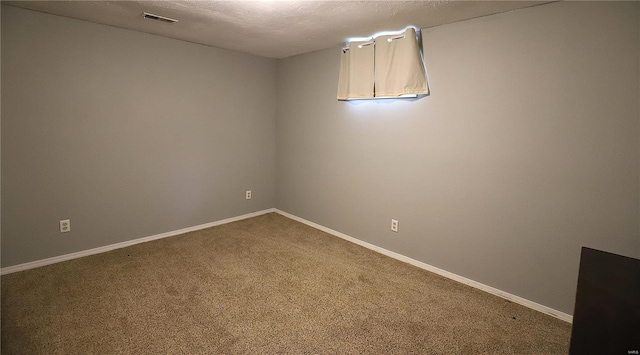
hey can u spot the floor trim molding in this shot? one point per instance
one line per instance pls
(106, 248)
(517, 299)
(494, 291)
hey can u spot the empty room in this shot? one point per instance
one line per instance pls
(425, 177)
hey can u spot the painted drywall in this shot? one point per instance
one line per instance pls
(127, 134)
(526, 150)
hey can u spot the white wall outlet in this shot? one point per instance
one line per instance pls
(65, 226)
(394, 225)
(248, 195)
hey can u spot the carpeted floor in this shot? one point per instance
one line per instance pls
(262, 285)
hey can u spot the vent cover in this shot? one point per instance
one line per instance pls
(158, 18)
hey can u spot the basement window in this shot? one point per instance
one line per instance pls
(385, 66)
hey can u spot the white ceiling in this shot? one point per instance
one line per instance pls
(273, 28)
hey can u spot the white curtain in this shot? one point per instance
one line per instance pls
(399, 68)
(356, 71)
(389, 66)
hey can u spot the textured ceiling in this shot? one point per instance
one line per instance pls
(272, 28)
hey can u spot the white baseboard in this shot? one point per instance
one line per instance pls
(57, 259)
(516, 299)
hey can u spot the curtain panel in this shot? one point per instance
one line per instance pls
(356, 71)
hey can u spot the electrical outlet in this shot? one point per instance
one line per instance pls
(248, 195)
(394, 225)
(65, 226)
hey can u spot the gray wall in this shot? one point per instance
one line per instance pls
(526, 150)
(125, 133)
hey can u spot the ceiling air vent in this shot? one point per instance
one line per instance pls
(158, 17)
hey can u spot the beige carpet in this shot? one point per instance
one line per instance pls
(263, 285)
